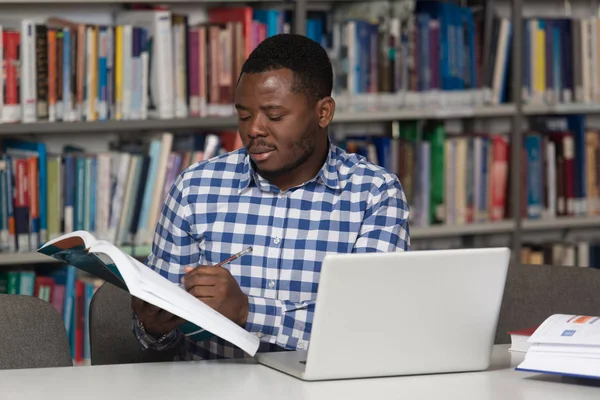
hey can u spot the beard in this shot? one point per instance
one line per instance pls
(304, 147)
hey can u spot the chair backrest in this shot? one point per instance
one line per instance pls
(32, 334)
(535, 292)
(111, 338)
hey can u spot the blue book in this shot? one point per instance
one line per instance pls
(533, 147)
(81, 250)
(271, 18)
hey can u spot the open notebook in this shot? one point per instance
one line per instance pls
(107, 262)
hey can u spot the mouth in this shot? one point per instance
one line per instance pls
(260, 154)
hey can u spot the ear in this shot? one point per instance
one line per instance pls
(325, 111)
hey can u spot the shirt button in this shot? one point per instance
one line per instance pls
(282, 195)
(271, 284)
(276, 240)
(300, 345)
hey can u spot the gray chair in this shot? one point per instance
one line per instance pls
(534, 292)
(32, 334)
(111, 338)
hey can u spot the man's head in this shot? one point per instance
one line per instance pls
(284, 105)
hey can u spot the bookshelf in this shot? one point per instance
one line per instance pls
(515, 225)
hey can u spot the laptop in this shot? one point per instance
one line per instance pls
(401, 313)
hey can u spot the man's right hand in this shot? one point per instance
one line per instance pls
(156, 320)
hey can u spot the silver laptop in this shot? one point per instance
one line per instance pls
(401, 313)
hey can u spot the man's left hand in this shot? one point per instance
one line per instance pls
(216, 287)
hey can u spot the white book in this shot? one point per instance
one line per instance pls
(108, 262)
(158, 24)
(145, 77)
(119, 176)
(103, 194)
(156, 204)
(501, 57)
(565, 345)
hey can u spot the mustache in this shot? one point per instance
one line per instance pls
(259, 144)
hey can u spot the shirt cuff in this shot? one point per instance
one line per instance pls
(264, 317)
(149, 341)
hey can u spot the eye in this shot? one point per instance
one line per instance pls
(243, 117)
(278, 118)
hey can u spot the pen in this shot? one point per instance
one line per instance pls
(234, 257)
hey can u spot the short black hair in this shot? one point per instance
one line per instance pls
(306, 58)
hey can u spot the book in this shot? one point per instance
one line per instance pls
(109, 263)
(519, 340)
(566, 345)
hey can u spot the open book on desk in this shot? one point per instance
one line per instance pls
(107, 262)
(565, 345)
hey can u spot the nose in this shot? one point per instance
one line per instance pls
(256, 127)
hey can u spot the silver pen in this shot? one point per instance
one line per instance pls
(234, 257)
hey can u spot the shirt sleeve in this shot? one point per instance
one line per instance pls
(385, 224)
(384, 229)
(173, 248)
(281, 322)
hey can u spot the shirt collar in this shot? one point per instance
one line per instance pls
(327, 175)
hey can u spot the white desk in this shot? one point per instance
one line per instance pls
(216, 380)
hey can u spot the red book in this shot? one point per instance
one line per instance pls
(498, 177)
(222, 15)
(519, 339)
(565, 171)
(79, 320)
(12, 112)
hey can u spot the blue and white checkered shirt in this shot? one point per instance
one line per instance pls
(219, 207)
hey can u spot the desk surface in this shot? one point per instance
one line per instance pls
(217, 380)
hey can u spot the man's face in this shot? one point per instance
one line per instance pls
(278, 127)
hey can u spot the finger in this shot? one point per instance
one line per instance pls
(174, 323)
(200, 269)
(142, 308)
(200, 280)
(163, 317)
(204, 270)
(150, 309)
(203, 292)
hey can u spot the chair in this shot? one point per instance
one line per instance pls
(111, 338)
(32, 334)
(535, 292)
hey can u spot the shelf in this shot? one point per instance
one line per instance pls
(9, 259)
(118, 126)
(561, 223)
(441, 231)
(504, 110)
(25, 258)
(416, 233)
(567, 108)
(231, 122)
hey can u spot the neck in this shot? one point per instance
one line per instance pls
(308, 170)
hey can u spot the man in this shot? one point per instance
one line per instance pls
(289, 193)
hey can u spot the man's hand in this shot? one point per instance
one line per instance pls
(216, 287)
(156, 320)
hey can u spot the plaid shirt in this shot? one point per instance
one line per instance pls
(219, 207)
